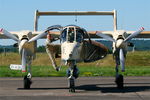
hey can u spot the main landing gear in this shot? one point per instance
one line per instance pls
(119, 79)
(72, 74)
(27, 81)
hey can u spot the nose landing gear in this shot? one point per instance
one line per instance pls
(72, 74)
(71, 83)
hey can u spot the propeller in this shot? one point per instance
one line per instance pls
(22, 45)
(58, 27)
(122, 60)
(6, 33)
(23, 60)
(120, 44)
(106, 37)
(127, 39)
(134, 34)
(38, 37)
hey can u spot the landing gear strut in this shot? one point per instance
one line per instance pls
(27, 82)
(119, 79)
(71, 84)
(27, 79)
(72, 74)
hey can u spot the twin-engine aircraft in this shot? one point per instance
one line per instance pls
(75, 46)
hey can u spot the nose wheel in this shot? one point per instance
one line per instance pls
(71, 84)
(72, 74)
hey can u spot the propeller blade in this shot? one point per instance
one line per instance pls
(22, 45)
(38, 37)
(105, 37)
(122, 60)
(134, 34)
(58, 27)
(9, 35)
(23, 60)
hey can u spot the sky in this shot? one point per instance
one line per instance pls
(17, 15)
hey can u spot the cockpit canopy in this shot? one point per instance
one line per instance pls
(71, 34)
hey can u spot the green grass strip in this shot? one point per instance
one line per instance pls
(47, 71)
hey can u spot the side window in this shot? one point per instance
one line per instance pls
(79, 36)
(64, 35)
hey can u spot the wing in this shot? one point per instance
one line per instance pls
(56, 34)
(144, 34)
(93, 33)
(34, 35)
(8, 35)
(46, 32)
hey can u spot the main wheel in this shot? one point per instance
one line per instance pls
(27, 82)
(119, 81)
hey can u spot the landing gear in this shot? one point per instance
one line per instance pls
(119, 78)
(71, 84)
(75, 72)
(27, 82)
(72, 74)
(27, 79)
(119, 81)
(119, 55)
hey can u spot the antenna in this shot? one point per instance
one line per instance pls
(76, 18)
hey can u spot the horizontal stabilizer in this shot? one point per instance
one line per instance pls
(15, 67)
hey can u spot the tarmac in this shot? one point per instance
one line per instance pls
(87, 88)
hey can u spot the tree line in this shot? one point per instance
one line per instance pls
(14, 49)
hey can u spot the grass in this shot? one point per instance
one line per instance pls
(46, 71)
(137, 64)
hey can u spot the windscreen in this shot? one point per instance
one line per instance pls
(72, 34)
(64, 35)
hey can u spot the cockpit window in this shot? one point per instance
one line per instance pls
(72, 34)
(79, 36)
(63, 35)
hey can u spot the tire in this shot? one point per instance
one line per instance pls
(71, 85)
(119, 82)
(27, 82)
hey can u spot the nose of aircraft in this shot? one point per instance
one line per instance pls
(69, 51)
